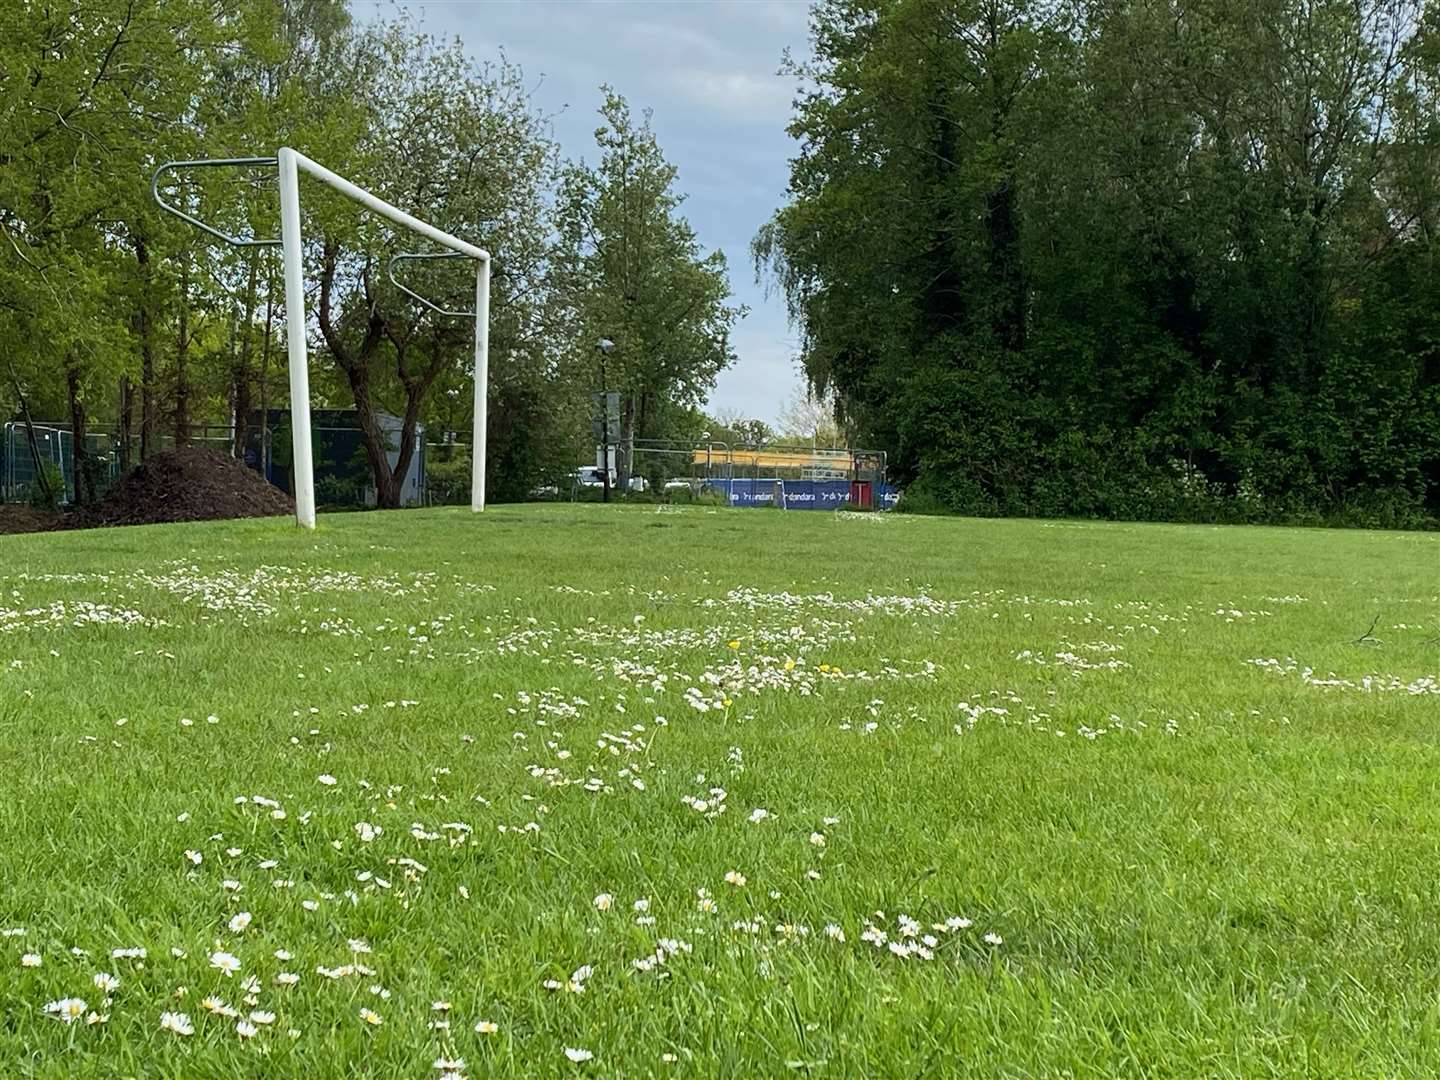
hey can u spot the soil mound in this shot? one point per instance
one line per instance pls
(185, 484)
(23, 519)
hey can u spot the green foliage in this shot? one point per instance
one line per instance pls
(447, 476)
(1124, 260)
(124, 316)
(338, 491)
(633, 273)
(44, 491)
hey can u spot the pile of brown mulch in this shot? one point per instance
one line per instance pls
(185, 484)
(25, 519)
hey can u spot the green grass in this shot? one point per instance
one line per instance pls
(1198, 866)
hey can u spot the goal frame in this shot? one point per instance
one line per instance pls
(290, 163)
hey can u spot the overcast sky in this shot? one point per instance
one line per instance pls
(708, 70)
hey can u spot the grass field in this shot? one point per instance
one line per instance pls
(719, 793)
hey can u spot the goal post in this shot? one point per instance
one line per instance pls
(290, 164)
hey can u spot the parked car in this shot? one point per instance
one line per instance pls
(586, 476)
(590, 476)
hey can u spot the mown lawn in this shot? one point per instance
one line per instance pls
(994, 798)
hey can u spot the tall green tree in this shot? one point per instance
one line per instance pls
(1123, 259)
(459, 145)
(85, 91)
(635, 274)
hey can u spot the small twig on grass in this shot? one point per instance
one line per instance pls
(1368, 638)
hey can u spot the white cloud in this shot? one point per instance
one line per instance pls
(765, 376)
(741, 95)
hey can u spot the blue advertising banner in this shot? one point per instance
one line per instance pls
(805, 494)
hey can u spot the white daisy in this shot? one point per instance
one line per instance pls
(226, 963)
(177, 1023)
(66, 1009)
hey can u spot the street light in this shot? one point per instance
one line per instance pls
(603, 347)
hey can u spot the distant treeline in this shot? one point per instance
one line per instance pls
(1127, 259)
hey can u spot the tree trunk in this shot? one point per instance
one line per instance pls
(79, 453)
(127, 420)
(357, 367)
(408, 423)
(145, 328)
(182, 354)
(625, 454)
(416, 388)
(242, 364)
(376, 450)
(264, 378)
(232, 361)
(40, 477)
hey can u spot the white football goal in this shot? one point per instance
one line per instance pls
(291, 163)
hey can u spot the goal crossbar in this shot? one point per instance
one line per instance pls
(290, 163)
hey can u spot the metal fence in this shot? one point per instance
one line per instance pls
(342, 473)
(796, 477)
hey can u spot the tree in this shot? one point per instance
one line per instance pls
(635, 274)
(459, 146)
(1121, 259)
(808, 417)
(735, 428)
(84, 101)
(124, 316)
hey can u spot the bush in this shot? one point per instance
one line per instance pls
(46, 496)
(447, 477)
(339, 491)
(919, 499)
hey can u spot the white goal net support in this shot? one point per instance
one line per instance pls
(290, 164)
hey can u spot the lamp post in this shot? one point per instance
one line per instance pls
(603, 347)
